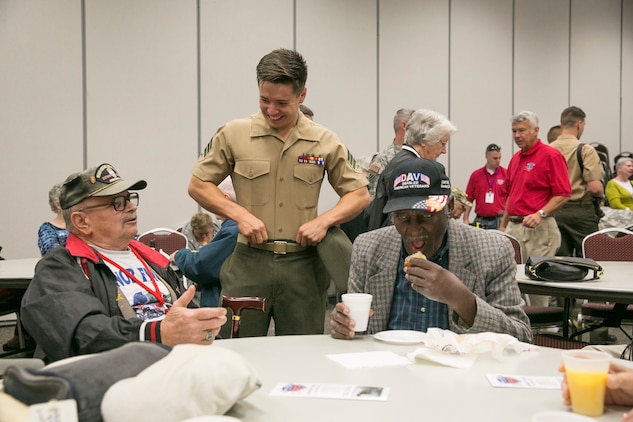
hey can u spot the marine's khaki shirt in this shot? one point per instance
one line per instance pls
(567, 145)
(278, 182)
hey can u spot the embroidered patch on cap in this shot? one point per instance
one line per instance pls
(105, 174)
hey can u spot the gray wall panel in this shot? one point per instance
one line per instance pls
(626, 114)
(338, 41)
(413, 59)
(475, 60)
(541, 61)
(481, 82)
(595, 68)
(234, 35)
(142, 100)
(40, 114)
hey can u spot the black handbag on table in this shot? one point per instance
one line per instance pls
(561, 268)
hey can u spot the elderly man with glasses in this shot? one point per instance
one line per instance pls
(104, 289)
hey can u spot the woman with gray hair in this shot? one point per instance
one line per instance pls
(53, 233)
(619, 190)
(426, 136)
(427, 132)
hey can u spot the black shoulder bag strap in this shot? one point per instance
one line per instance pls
(595, 200)
(579, 158)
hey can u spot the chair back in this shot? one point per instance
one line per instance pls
(611, 244)
(168, 240)
(601, 149)
(516, 245)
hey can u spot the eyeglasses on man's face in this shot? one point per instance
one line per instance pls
(119, 203)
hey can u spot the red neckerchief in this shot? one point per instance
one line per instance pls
(78, 248)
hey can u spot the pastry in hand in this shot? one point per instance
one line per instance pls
(418, 254)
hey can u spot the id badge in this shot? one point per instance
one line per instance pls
(490, 197)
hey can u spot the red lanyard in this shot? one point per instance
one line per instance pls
(156, 292)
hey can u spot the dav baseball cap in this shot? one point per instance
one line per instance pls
(418, 184)
(102, 180)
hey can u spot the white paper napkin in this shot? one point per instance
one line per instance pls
(461, 350)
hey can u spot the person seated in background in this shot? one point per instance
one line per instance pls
(203, 266)
(619, 190)
(199, 230)
(105, 289)
(52, 233)
(466, 285)
(307, 111)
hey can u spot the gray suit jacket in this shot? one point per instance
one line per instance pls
(482, 261)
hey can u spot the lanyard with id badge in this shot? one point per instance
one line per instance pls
(490, 196)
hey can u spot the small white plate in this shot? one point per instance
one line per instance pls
(400, 336)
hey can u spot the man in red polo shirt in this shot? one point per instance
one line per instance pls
(487, 189)
(538, 185)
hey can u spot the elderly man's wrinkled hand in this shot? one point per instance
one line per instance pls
(191, 326)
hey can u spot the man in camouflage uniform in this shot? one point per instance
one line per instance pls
(381, 159)
(461, 203)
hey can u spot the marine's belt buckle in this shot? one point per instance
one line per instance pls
(280, 247)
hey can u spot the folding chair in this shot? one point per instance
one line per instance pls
(167, 240)
(601, 149)
(237, 305)
(540, 316)
(611, 244)
(12, 306)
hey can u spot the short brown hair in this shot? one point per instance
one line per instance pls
(283, 66)
(572, 115)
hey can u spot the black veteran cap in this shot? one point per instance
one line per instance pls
(418, 184)
(102, 180)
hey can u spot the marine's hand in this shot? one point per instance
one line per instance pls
(183, 325)
(311, 233)
(252, 228)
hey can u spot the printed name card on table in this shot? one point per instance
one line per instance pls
(330, 391)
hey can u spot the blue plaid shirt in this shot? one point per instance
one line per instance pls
(411, 310)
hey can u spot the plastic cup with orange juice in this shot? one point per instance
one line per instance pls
(586, 372)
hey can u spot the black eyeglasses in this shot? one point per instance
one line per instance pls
(493, 147)
(118, 202)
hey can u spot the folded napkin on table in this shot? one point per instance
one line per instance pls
(461, 350)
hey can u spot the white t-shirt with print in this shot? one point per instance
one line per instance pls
(144, 303)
